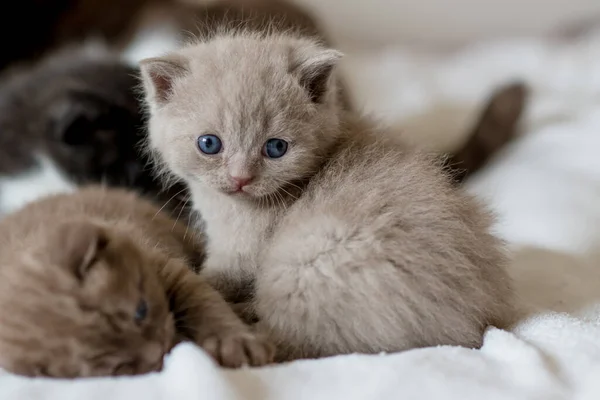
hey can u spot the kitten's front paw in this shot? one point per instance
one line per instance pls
(239, 349)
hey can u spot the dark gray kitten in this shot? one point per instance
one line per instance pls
(72, 119)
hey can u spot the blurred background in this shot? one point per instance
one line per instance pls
(444, 23)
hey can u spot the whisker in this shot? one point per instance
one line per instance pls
(280, 200)
(179, 215)
(289, 194)
(270, 197)
(294, 185)
(187, 225)
(167, 202)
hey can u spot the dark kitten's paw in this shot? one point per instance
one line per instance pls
(239, 349)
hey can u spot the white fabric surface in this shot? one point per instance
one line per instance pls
(546, 189)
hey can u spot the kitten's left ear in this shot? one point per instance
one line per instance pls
(159, 75)
(314, 68)
(76, 246)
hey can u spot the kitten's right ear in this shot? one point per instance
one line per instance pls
(159, 75)
(314, 67)
(77, 246)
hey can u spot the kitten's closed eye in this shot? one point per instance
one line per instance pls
(209, 144)
(275, 148)
(141, 312)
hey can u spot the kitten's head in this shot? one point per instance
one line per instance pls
(94, 123)
(87, 302)
(242, 114)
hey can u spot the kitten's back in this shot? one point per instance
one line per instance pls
(413, 264)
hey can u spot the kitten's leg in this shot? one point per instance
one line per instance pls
(496, 127)
(245, 311)
(203, 316)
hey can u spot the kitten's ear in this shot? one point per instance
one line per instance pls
(314, 68)
(78, 245)
(159, 75)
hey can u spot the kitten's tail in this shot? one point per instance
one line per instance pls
(497, 126)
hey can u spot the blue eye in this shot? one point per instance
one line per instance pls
(209, 144)
(275, 148)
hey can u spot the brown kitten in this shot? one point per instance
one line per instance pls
(97, 283)
(355, 244)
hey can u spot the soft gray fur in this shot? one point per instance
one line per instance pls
(355, 244)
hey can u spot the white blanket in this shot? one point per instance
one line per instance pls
(546, 189)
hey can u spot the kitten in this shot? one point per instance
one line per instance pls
(493, 129)
(71, 120)
(354, 243)
(97, 283)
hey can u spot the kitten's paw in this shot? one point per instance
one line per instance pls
(239, 349)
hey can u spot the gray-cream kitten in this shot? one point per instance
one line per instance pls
(355, 244)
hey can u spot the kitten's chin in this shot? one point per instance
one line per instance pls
(241, 194)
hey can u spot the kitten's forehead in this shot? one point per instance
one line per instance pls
(252, 56)
(240, 85)
(242, 73)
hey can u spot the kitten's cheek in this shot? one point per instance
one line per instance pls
(180, 171)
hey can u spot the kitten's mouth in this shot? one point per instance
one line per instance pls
(237, 192)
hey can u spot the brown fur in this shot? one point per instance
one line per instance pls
(354, 244)
(75, 268)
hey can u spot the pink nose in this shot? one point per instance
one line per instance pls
(241, 181)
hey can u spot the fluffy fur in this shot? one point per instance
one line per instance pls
(495, 127)
(355, 244)
(97, 283)
(74, 114)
